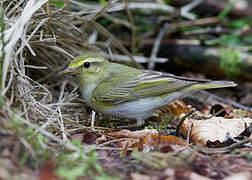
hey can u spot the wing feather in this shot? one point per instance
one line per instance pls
(145, 84)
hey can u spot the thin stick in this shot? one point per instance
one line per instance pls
(139, 59)
(188, 134)
(226, 101)
(60, 119)
(228, 148)
(182, 120)
(133, 30)
(93, 119)
(188, 7)
(115, 41)
(156, 46)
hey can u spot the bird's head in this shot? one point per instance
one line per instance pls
(87, 65)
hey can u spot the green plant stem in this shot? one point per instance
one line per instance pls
(225, 11)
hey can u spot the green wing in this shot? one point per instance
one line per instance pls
(126, 86)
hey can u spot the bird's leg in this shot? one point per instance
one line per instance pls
(139, 122)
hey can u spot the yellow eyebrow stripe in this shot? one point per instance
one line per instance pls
(76, 64)
(79, 61)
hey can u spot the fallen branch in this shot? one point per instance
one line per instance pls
(215, 7)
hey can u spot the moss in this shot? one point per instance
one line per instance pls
(230, 62)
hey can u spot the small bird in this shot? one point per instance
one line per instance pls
(121, 91)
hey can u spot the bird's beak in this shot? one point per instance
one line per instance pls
(67, 71)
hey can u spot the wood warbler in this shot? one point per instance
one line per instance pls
(121, 91)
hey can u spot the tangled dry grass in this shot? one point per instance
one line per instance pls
(39, 40)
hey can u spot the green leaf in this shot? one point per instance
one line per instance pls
(248, 39)
(239, 23)
(228, 40)
(189, 28)
(103, 2)
(59, 3)
(71, 173)
(167, 2)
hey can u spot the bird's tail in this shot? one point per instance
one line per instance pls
(212, 85)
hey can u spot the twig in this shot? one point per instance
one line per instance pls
(182, 121)
(236, 140)
(35, 67)
(121, 6)
(226, 101)
(9, 12)
(60, 119)
(93, 37)
(215, 6)
(116, 140)
(93, 119)
(96, 15)
(228, 148)
(124, 150)
(156, 46)
(103, 10)
(188, 7)
(111, 148)
(115, 41)
(197, 22)
(121, 21)
(25, 42)
(133, 30)
(188, 134)
(139, 59)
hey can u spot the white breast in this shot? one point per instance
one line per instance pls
(86, 92)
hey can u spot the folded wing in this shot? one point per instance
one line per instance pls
(145, 84)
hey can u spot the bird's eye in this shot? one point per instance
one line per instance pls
(86, 64)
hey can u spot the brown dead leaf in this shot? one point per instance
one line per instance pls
(213, 129)
(47, 172)
(136, 176)
(195, 176)
(241, 175)
(188, 174)
(88, 138)
(206, 109)
(4, 173)
(146, 140)
(177, 107)
(132, 134)
(102, 139)
(163, 143)
(218, 110)
(130, 143)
